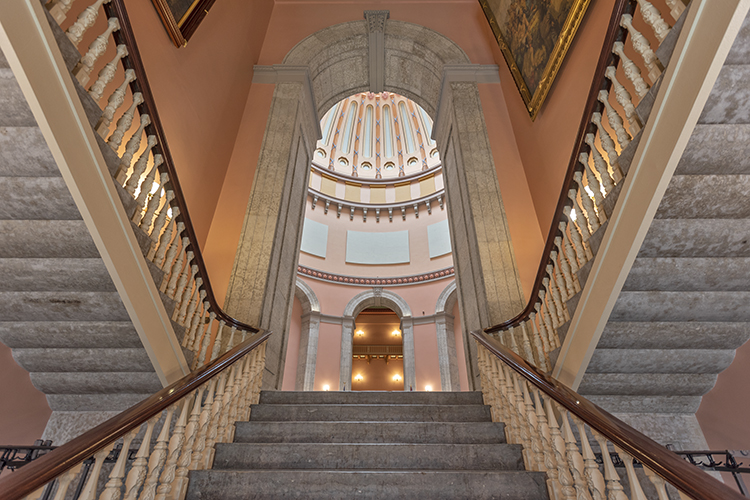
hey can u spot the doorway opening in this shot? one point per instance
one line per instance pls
(377, 351)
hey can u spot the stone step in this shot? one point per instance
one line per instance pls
(371, 397)
(705, 197)
(55, 275)
(62, 306)
(36, 198)
(647, 384)
(371, 413)
(689, 274)
(370, 456)
(83, 359)
(372, 432)
(682, 306)
(24, 153)
(69, 334)
(729, 100)
(325, 485)
(674, 335)
(697, 238)
(680, 361)
(14, 112)
(46, 238)
(80, 382)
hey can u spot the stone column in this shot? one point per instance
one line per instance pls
(261, 288)
(407, 336)
(308, 351)
(486, 273)
(345, 365)
(447, 357)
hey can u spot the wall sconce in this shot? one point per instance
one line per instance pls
(395, 333)
(397, 378)
(358, 378)
(428, 388)
(360, 333)
(326, 387)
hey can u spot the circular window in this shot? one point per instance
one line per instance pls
(413, 162)
(343, 162)
(320, 153)
(366, 166)
(434, 153)
(389, 166)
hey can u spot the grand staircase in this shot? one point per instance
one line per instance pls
(683, 309)
(416, 445)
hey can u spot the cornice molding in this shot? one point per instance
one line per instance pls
(371, 281)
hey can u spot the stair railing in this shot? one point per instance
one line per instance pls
(188, 418)
(147, 172)
(541, 413)
(594, 178)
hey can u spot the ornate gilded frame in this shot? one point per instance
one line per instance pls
(180, 30)
(534, 100)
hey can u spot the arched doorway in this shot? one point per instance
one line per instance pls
(377, 351)
(318, 72)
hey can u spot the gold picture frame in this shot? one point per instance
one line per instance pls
(182, 17)
(540, 63)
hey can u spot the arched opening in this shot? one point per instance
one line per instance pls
(377, 351)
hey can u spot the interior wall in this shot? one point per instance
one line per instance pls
(426, 363)
(327, 364)
(292, 353)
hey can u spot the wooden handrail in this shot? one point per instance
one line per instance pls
(675, 470)
(606, 58)
(35, 475)
(125, 35)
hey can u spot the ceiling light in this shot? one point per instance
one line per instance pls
(326, 387)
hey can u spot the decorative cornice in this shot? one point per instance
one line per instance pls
(376, 282)
(322, 169)
(376, 20)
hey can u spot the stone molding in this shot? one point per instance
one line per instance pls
(376, 48)
(367, 281)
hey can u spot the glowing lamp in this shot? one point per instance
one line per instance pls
(397, 378)
(428, 388)
(326, 387)
(360, 333)
(395, 333)
(359, 378)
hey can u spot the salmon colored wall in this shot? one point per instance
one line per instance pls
(292, 353)
(426, 364)
(463, 377)
(328, 362)
(24, 410)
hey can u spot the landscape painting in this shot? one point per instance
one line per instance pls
(534, 36)
(182, 17)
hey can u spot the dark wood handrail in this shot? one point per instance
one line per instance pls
(125, 35)
(35, 475)
(606, 58)
(675, 470)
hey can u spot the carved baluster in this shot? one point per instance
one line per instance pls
(658, 482)
(511, 342)
(123, 125)
(632, 73)
(512, 413)
(176, 275)
(529, 349)
(558, 445)
(541, 344)
(98, 47)
(548, 323)
(575, 460)
(534, 430)
(86, 19)
(552, 306)
(165, 240)
(113, 104)
(190, 299)
(523, 425)
(502, 398)
(636, 492)
(206, 341)
(176, 445)
(653, 18)
(216, 350)
(614, 120)
(112, 488)
(623, 97)
(169, 258)
(137, 474)
(223, 430)
(63, 483)
(191, 432)
(594, 478)
(575, 258)
(134, 143)
(595, 190)
(614, 487)
(89, 489)
(185, 290)
(59, 9)
(194, 342)
(107, 74)
(550, 464)
(588, 204)
(213, 426)
(607, 143)
(641, 45)
(158, 459)
(147, 185)
(232, 332)
(152, 223)
(677, 8)
(566, 266)
(198, 319)
(140, 166)
(600, 164)
(582, 224)
(196, 459)
(238, 396)
(555, 289)
(162, 219)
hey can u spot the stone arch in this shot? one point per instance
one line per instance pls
(447, 299)
(382, 298)
(446, 340)
(308, 338)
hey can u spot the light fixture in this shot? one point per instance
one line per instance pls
(397, 378)
(360, 333)
(358, 378)
(395, 333)
(326, 387)
(428, 388)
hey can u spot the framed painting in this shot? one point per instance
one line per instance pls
(182, 17)
(534, 36)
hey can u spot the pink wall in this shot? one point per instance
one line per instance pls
(292, 353)
(329, 357)
(463, 376)
(426, 364)
(24, 410)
